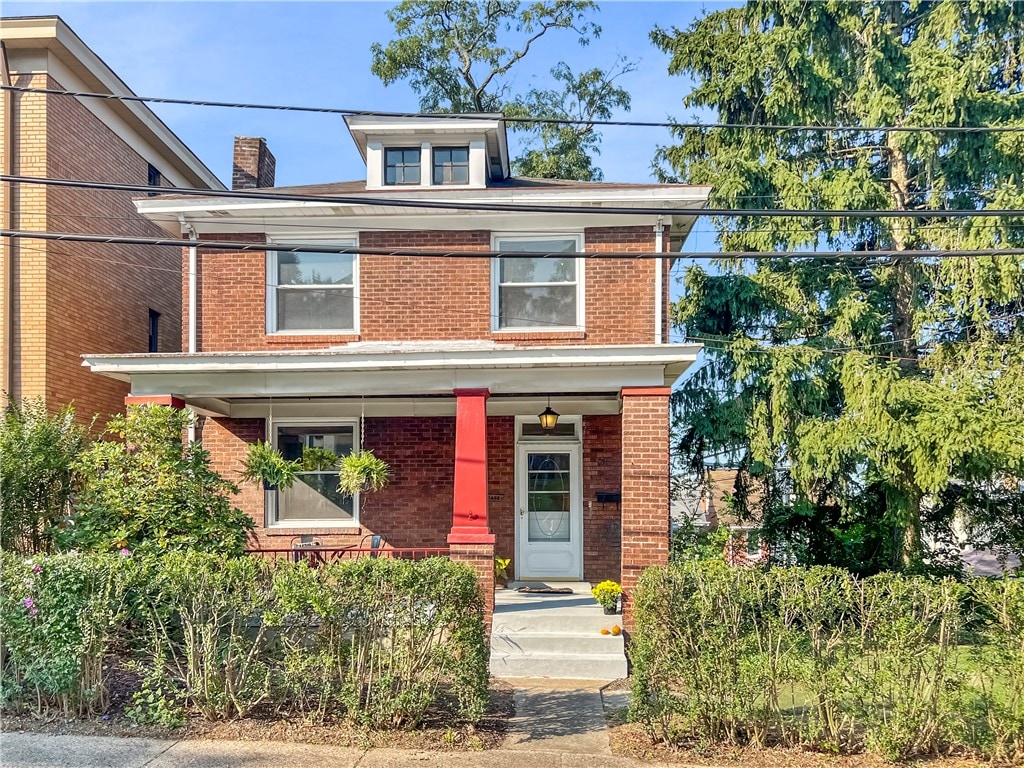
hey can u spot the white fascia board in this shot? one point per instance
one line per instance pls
(345, 359)
(694, 198)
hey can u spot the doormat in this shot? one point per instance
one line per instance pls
(546, 590)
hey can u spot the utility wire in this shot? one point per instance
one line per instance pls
(523, 120)
(212, 277)
(384, 201)
(228, 245)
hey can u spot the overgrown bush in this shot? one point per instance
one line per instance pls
(378, 640)
(816, 658)
(147, 491)
(37, 452)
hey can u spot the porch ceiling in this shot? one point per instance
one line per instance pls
(360, 370)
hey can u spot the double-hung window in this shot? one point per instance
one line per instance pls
(312, 292)
(538, 292)
(402, 165)
(314, 499)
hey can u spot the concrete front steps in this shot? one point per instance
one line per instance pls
(545, 635)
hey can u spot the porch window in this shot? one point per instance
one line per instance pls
(314, 500)
(541, 292)
(311, 292)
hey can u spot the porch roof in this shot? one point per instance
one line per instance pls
(399, 369)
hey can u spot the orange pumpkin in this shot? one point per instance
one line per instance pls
(616, 630)
(605, 632)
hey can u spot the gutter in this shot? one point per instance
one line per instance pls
(659, 268)
(193, 311)
(7, 218)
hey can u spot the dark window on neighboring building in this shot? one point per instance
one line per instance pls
(153, 177)
(154, 331)
(401, 166)
(451, 165)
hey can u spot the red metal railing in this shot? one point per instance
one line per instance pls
(318, 555)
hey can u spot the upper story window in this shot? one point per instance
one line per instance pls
(538, 293)
(451, 165)
(153, 178)
(154, 331)
(402, 165)
(311, 292)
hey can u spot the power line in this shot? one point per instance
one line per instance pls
(228, 245)
(434, 204)
(523, 120)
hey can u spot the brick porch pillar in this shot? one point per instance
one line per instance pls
(645, 485)
(470, 540)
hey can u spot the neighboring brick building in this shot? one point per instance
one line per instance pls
(438, 364)
(60, 300)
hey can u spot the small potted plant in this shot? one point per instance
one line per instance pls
(501, 565)
(362, 471)
(264, 463)
(607, 593)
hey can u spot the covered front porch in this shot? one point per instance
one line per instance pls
(473, 472)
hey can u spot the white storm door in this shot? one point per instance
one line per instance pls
(549, 512)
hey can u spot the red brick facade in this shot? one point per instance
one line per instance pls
(425, 298)
(645, 484)
(68, 299)
(415, 509)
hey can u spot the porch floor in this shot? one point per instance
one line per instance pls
(536, 635)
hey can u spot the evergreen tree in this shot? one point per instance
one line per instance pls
(875, 398)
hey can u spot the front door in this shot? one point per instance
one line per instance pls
(549, 519)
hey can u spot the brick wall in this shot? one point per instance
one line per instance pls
(76, 298)
(645, 491)
(429, 299)
(415, 509)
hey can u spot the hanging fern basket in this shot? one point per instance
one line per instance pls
(362, 471)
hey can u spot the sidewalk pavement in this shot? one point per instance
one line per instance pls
(558, 724)
(34, 750)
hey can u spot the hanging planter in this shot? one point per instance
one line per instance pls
(264, 463)
(362, 471)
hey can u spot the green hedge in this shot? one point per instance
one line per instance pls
(377, 640)
(901, 666)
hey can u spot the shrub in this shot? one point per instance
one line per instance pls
(60, 615)
(147, 492)
(814, 657)
(378, 640)
(37, 452)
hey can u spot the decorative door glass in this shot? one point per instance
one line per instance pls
(548, 496)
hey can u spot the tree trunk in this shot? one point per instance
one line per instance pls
(904, 335)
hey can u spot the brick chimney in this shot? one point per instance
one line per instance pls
(254, 164)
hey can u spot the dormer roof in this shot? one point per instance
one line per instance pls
(437, 129)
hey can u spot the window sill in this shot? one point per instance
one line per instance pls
(349, 529)
(530, 335)
(330, 337)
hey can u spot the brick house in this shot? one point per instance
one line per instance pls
(439, 365)
(61, 299)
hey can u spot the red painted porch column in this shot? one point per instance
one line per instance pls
(645, 485)
(172, 400)
(471, 540)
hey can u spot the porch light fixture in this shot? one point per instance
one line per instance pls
(548, 418)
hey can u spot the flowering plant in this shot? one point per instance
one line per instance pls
(607, 594)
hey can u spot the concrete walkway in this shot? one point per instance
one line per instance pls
(565, 716)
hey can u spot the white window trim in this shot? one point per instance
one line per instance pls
(581, 293)
(272, 286)
(271, 429)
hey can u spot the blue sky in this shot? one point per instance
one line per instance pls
(318, 53)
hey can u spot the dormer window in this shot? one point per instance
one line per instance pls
(402, 165)
(451, 165)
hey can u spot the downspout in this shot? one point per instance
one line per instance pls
(187, 228)
(7, 219)
(659, 267)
